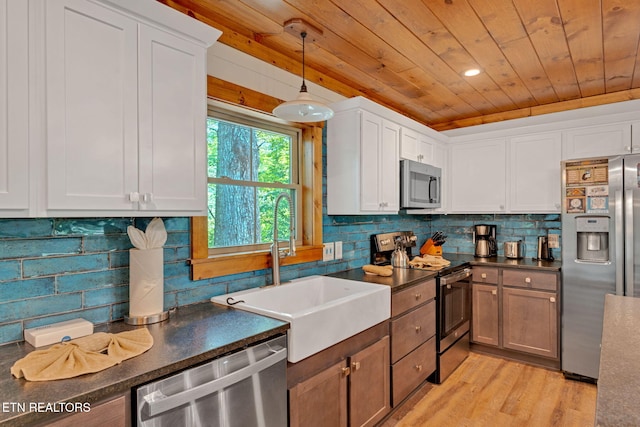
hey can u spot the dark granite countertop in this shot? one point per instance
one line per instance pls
(527, 263)
(403, 277)
(619, 374)
(193, 334)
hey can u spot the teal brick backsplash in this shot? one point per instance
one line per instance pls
(56, 269)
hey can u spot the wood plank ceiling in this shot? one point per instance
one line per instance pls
(409, 55)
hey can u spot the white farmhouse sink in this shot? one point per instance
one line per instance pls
(321, 310)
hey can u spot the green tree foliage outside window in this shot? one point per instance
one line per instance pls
(248, 167)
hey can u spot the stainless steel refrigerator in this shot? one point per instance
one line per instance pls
(600, 216)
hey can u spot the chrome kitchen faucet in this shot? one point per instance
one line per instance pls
(276, 254)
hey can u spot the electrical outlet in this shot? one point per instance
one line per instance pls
(338, 250)
(553, 240)
(327, 252)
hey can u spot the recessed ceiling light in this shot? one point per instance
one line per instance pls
(472, 72)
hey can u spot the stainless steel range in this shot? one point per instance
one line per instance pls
(453, 314)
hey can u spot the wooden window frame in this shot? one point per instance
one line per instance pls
(204, 266)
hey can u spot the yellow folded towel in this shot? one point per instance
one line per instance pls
(84, 355)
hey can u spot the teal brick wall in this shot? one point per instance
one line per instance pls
(56, 269)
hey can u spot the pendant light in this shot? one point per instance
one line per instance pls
(303, 109)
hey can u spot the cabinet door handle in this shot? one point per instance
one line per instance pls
(418, 296)
(483, 275)
(552, 299)
(494, 292)
(346, 371)
(355, 366)
(418, 329)
(527, 280)
(627, 148)
(134, 197)
(147, 197)
(418, 368)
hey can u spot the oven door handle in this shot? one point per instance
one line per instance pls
(455, 277)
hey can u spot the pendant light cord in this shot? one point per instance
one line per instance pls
(303, 88)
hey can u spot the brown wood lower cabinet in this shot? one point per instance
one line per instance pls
(530, 321)
(516, 312)
(353, 392)
(413, 344)
(112, 413)
(485, 309)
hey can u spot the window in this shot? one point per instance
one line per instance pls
(251, 162)
(245, 107)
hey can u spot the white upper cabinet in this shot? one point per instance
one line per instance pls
(362, 164)
(92, 114)
(478, 176)
(534, 175)
(126, 114)
(596, 141)
(173, 111)
(416, 146)
(14, 113)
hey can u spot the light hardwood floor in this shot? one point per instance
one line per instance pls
(489, 391)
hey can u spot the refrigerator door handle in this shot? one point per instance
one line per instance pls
(628, 249)
(619, 233)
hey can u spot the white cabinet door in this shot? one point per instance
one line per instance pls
(14, 113)
(409, 144)
(534, 183)
(389, 169)
(379, 167)
(416, 146)
(92, 134)
(370, 161)
(596, 141)
(478, 176)
(172, 146)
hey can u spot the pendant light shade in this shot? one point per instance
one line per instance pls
(303, 109)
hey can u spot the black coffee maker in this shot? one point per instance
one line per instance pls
(484, 239)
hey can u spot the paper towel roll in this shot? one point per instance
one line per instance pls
(146, 282)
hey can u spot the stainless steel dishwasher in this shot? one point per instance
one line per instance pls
(247, 388)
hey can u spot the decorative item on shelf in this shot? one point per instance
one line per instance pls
(302, 109)
(146, 274)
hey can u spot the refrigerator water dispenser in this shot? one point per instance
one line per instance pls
(593, 238)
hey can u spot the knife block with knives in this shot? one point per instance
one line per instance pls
(433, 245)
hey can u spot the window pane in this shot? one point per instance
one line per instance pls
(274, 157)
(262, 160)
(231, 151)
(241, 215)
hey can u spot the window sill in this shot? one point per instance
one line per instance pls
(224, 265)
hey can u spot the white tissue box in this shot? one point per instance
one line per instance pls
(55, 332)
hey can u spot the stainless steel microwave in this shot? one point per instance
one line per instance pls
(420, 185)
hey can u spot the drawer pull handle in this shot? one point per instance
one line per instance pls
(418, 368)
(418, 296)
(418, 328)
(355, 366)
(527, 280)
(494, 292)
(552, 299)
(483, 275)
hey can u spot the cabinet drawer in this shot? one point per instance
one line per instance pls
(411, 371)
(412, 329)
(530, 279)
(409, 298)
(485, 275)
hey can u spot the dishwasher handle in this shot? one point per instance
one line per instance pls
(154, 406)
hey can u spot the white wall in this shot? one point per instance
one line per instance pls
(237, 67)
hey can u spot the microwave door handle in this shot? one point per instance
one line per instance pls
(431, 181)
